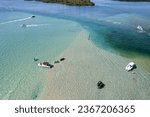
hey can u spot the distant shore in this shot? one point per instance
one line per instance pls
(85, 65)
(69, 2)
(133, 0)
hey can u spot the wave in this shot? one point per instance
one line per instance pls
(16, 20)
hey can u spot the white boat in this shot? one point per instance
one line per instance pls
(130, 66)
(45, 65)
(140, 28)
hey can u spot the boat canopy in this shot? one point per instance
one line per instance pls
(45, 63)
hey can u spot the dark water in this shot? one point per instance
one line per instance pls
(119, 38)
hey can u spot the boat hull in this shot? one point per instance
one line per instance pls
(42, 65)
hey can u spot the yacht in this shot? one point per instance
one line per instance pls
(130, 66)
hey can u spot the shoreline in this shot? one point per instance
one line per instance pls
(133, 0)
(69, 3)
(76, 77)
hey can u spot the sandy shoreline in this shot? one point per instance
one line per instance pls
(85, 65)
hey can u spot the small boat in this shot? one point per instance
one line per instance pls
(140, 28)
(62, 59)
(45, 65)
(33, 16)
(130, 66)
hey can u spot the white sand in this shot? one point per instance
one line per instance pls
(85, 65)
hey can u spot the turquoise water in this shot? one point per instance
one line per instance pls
(45, 38)
(112, 26)
(119, 35)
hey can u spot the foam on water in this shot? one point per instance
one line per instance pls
(36, 25)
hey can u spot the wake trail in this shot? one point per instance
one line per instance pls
(36, 25)
(16, 20)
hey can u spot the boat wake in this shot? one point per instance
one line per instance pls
(36, 25)
(16, 20)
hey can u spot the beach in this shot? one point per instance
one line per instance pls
(76, 77)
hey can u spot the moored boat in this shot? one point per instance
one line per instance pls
(140, 28)
(45, 64)
(130, 66)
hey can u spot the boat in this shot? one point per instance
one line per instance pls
(33, 16)
(62, 59)
(45, 64)
(130, 66)
(140, 28)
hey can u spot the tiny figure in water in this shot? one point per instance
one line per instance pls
(23, 26)
(56, 61)
(35, 59)
(100, 85)
(89, 37)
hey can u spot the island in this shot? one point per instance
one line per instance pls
(69, 2)
(133, 0)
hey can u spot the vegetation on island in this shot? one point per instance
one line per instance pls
(69, 2)
(134, 0)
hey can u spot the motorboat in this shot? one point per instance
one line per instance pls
(130, 66)
(33, 16)
(45, 65)
(140, 28)
(62, 59)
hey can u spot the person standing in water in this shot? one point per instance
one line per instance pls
(89, 37)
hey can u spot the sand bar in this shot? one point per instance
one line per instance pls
(85, 65)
